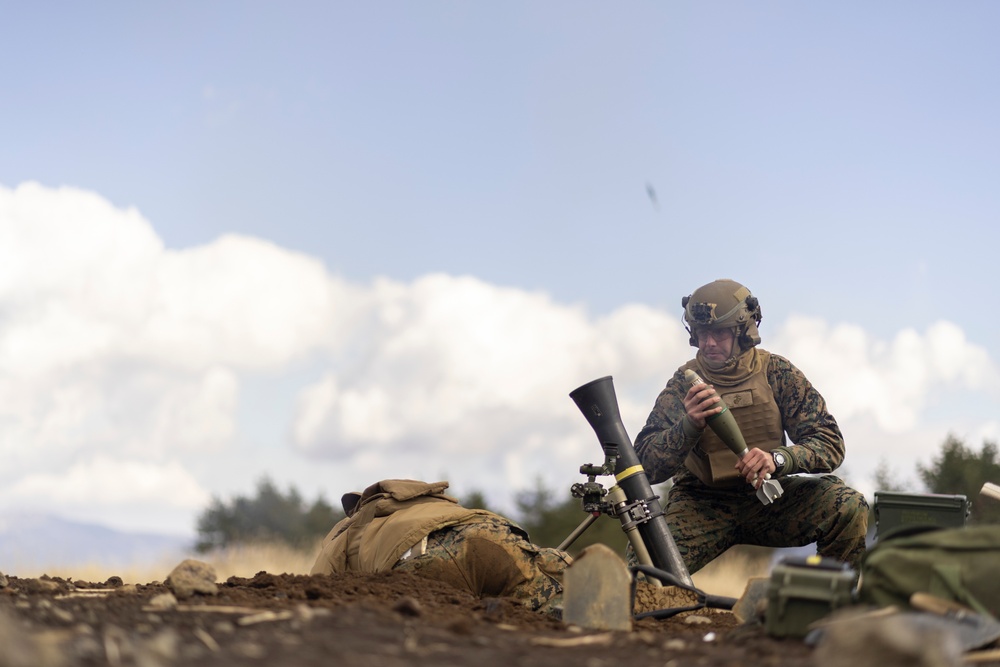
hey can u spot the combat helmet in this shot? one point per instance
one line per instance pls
(723, 304)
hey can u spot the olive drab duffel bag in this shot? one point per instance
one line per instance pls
(960, 564)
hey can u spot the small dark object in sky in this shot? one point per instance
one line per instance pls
(651, 191)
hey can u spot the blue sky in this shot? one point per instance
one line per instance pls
(335, 242)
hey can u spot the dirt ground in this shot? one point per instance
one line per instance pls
(373, 620)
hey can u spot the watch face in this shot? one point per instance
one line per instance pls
(779, 459)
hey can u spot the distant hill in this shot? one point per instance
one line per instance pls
(38, 540)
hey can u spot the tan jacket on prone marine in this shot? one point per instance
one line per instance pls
(378, 531)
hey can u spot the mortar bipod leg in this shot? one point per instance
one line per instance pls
(578, 531)
(616, 498)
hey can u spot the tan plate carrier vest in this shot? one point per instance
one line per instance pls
(752, 404)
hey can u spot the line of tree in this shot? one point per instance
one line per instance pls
(269, 516)
(550, 516)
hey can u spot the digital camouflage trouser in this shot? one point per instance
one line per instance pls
(489, 559)
(705, 522)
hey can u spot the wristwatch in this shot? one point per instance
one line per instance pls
(779, 461)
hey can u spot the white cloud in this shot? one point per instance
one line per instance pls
(110, 340)
(81, 280)
(243, 302)
(478, 377)
(894, 383)
(123, 365)
(436, 382)
(109, 482)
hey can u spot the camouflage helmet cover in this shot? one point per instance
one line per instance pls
(723, 304)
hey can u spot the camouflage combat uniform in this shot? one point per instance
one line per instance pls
(413, 526)
(706, 520)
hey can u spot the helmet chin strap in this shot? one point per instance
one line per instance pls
(737, 346)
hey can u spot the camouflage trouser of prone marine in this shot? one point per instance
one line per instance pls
(489, 559)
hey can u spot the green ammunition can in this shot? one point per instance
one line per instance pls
(801, 591)
(893, 510)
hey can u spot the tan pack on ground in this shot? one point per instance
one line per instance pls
(379, 532)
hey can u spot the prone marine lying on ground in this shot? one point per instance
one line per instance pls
(413, 526)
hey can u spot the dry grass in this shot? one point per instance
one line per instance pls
(243, 561)
(246, 561)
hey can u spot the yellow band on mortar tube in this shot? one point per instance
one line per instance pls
(628, 472)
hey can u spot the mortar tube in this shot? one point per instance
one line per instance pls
(598, 403)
